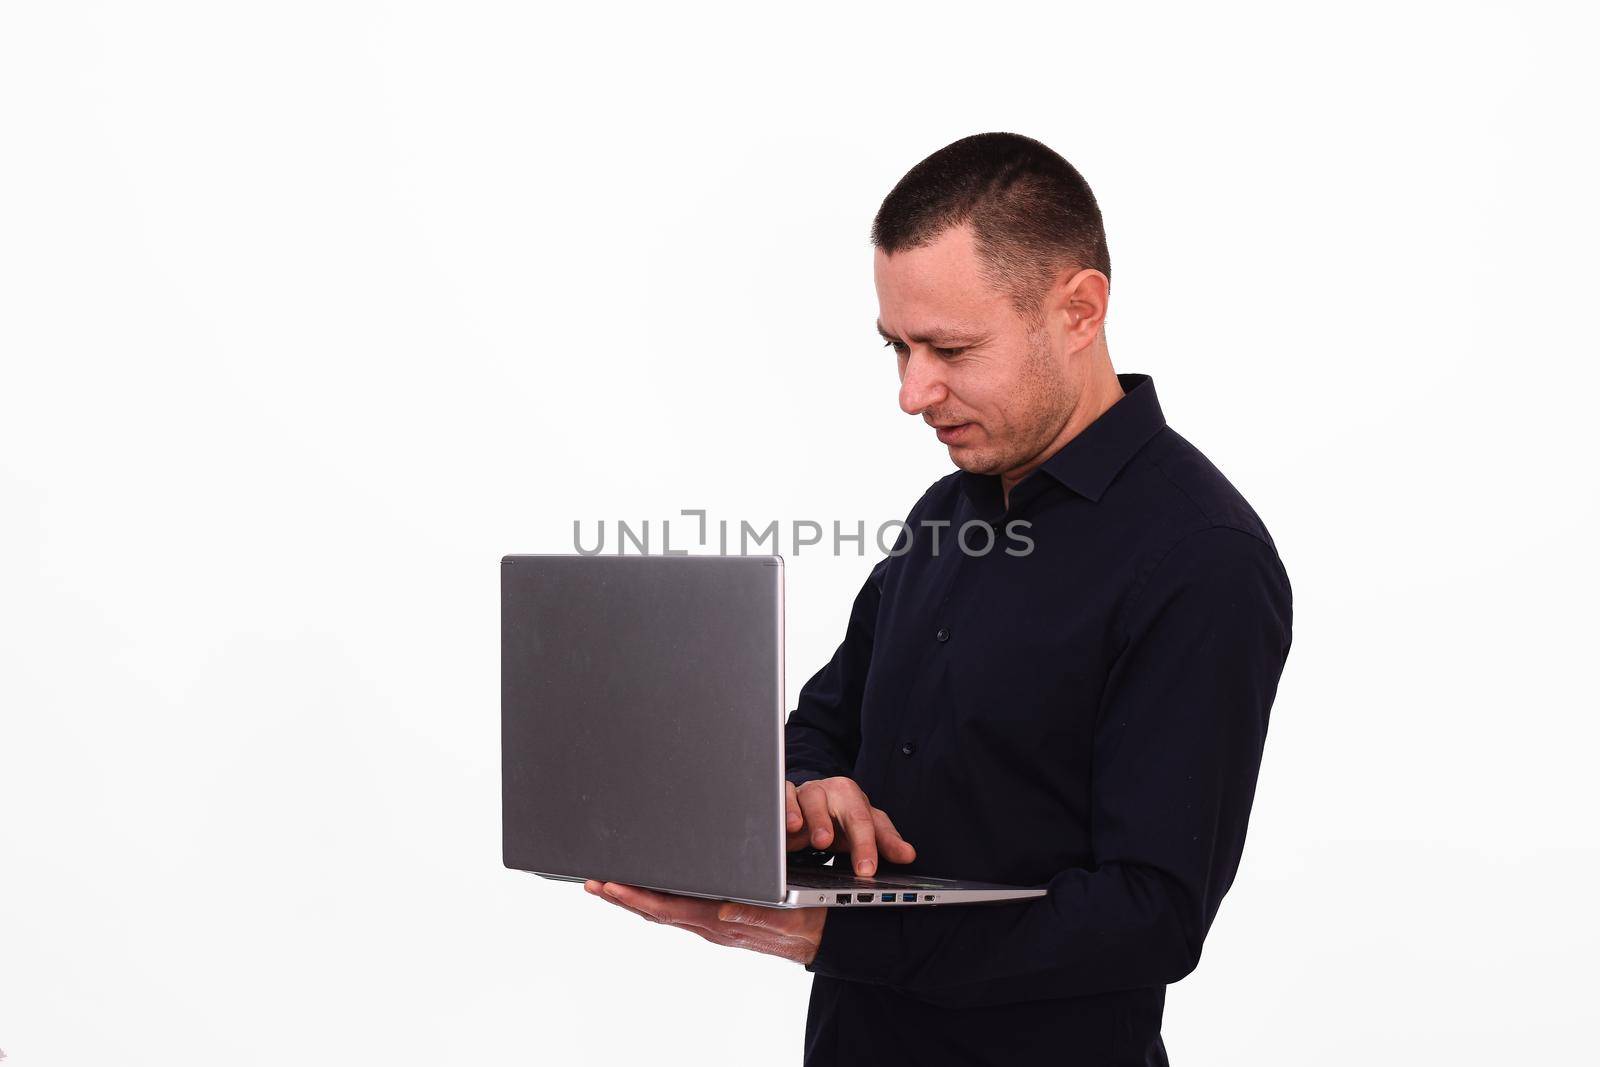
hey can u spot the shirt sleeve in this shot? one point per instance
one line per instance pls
(1177, 746)
(823, 733)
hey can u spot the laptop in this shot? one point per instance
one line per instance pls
(641, 715)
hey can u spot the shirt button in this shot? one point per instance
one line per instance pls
(943, 634)
(908, 748)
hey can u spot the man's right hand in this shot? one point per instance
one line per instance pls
(835, 809)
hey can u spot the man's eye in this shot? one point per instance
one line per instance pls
(945, 352)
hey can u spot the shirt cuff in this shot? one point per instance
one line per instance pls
(860, 946)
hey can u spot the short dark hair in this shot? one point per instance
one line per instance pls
(1032, 214)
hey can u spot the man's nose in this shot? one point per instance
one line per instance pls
(922, 385)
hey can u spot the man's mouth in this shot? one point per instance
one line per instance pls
(953, 432)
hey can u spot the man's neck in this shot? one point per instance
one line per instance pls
(1100, 391)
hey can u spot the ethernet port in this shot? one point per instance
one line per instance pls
(842, 898)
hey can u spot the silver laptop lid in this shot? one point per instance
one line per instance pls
(641, 721)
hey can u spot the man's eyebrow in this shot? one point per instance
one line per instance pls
(939, 333)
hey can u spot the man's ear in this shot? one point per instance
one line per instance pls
(1076, 307)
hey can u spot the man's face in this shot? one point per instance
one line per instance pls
(996, 393)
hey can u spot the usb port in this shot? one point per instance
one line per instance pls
(842, 898)
(888, 898)
(909, 898)
(863, 898)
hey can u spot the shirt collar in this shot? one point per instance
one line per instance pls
(1089, 462)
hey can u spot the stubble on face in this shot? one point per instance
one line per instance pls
(1042, 399)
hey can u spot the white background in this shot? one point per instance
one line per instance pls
(310, 311)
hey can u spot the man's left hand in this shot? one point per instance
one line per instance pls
(793, 933)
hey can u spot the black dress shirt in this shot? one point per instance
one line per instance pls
(1086, 715)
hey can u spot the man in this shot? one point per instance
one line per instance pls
(1087, 715)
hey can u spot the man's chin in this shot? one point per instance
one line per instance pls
(971, 460)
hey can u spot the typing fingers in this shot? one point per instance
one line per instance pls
(855, 816)
(793, 819)
(818, 820)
